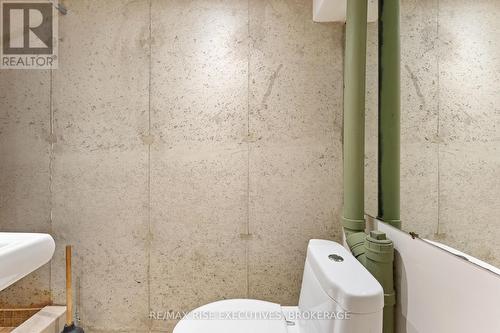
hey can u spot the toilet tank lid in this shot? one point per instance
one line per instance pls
(344, 278)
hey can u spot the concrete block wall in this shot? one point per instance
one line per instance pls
(189, 149)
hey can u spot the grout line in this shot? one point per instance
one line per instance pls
(438, 44)
(149, 245)
(51, 156)
(248, 155)
(248, 117)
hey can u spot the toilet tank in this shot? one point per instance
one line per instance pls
(338, 294)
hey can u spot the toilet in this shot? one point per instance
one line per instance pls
(338, 295)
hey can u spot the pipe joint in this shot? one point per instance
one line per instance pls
(390, 299)
(394, 223)
(356, 243)
(353, 225)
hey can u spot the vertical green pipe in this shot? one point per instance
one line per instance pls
(378, 260)
(354, 116)
(389, 113)
(375, 252)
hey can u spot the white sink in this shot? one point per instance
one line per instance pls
(21, 254)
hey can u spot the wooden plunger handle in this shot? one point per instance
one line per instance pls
(69, 290)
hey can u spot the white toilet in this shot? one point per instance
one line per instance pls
(338, 295)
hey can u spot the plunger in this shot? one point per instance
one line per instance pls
(70, 326)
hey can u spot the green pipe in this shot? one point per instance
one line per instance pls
(378, 260)
(375, 252)
(389, 113)
(353, 218)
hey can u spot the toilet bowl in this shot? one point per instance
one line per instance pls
(338, 295)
